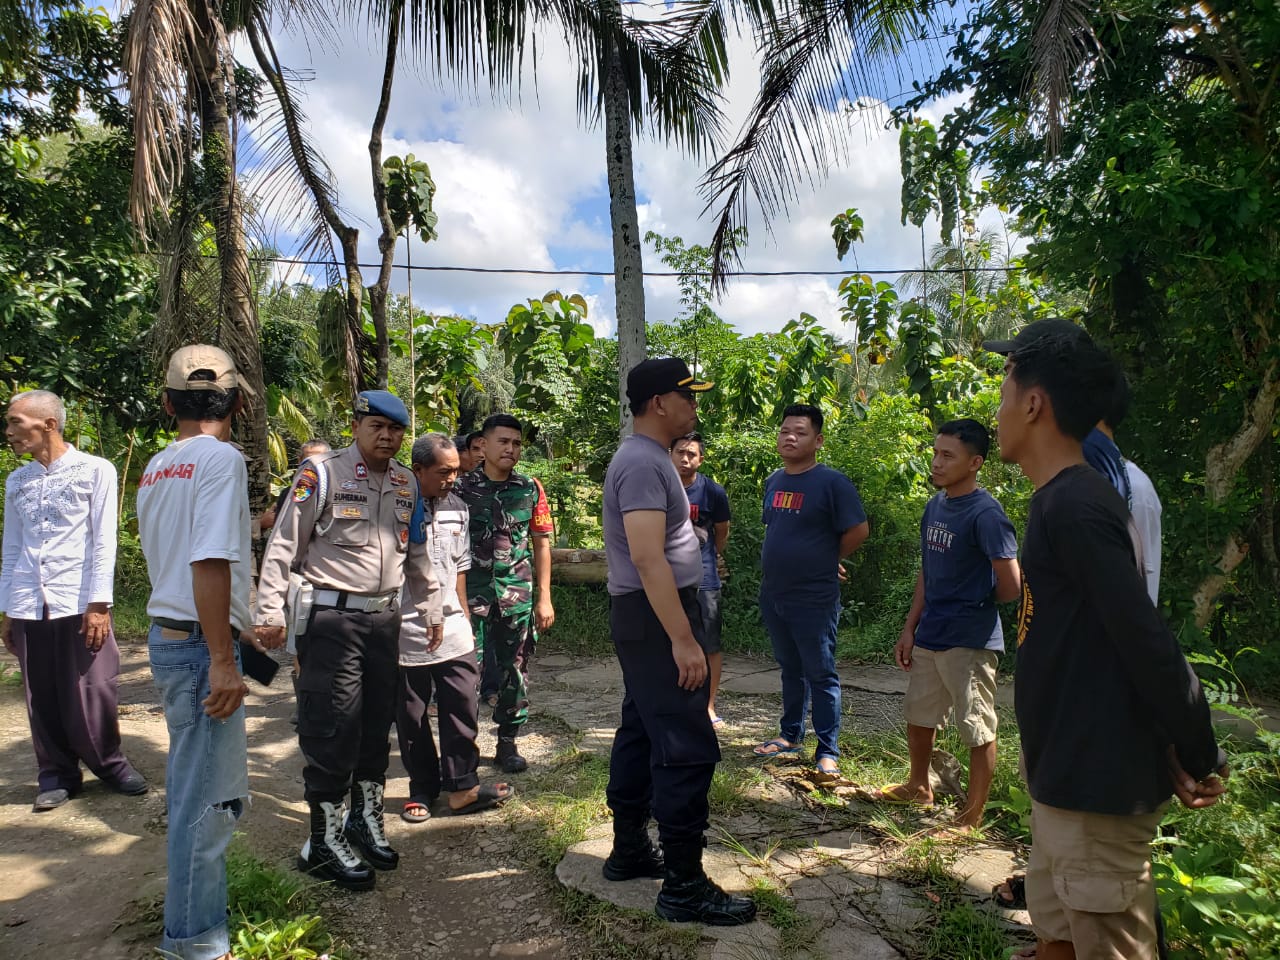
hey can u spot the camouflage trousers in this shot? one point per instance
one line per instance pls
(512, 639)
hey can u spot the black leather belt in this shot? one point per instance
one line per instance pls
(189, 626)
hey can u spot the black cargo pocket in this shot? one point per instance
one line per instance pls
(315, 714)
(682, 742)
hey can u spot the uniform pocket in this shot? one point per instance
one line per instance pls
(1097, 892)
(681, 743)
(315, 714)
(180, 687)
(349, 526)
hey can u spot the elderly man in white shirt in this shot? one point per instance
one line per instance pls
(56, 575)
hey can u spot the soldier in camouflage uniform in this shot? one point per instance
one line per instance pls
(510, 548)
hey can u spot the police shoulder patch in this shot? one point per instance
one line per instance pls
(306, 484)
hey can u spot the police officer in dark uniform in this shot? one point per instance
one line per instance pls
(665, 750)
(344, 535)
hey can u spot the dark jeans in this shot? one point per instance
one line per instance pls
(804, 644)
(71, 702)
(665, 750)
(454, 767)
(346, 699)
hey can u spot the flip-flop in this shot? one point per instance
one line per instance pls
(415, 811)
(824, 772)
(488, 797)
(783, 748)
(886, 795)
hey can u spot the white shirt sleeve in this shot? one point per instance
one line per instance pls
(103, 507)
(220, 486)
(12, 546)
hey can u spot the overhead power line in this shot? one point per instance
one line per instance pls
(877, 271)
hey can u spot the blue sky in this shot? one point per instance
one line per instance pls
(521, 183)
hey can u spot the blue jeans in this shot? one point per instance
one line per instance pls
(804, 644)
(206, 786)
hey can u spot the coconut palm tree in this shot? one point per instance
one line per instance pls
(182, 86)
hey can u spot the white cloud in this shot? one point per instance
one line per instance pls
(522, 184)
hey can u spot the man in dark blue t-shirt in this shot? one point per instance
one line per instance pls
(952, 636)
(813, 518)
(709, 514)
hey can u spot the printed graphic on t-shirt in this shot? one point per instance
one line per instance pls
(693, 514)
(1026, 611)
(787, 500)
(938, 537)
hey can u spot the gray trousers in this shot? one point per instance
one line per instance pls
(71, 702)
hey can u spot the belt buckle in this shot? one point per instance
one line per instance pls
(375, 604)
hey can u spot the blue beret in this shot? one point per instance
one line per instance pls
(382, 403)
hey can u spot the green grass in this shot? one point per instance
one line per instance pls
(273, 914)
(10, 676)
(961, 931)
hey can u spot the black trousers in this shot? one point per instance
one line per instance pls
(71, 702)
(346, 699)
(454, 767)
(665, 750)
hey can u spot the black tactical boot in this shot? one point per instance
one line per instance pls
(687, 894)
(508, 756)
(328, 856)
(634, 854)
(364, 827)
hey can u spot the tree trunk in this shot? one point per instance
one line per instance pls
(239, 330)
(1223, 464)
(387, 238)
(628, 264)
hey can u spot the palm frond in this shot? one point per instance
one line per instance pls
(462, 40)
(292, 418)
(294, 183)
(817, 56)
(673, 65)
(1062, 40)
(157, 51)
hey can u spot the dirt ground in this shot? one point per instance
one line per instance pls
(73, 874)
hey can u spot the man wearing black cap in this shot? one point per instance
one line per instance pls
(665, 750)
(344, 532)
(1113, 720)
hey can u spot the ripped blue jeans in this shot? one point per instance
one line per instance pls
(206, 788)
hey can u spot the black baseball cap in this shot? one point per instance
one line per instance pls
(1033, 332)
(652, 378)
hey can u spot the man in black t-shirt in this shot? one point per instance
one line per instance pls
(1112, 718)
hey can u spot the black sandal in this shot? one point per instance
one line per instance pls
(1017, 898)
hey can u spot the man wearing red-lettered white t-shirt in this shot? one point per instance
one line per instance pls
(193, 521)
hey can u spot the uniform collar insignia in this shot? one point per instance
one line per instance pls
(362, 472)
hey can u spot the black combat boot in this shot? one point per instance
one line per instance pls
(633, 854)
(364, 827)
(687, 894)
(328, 856)
(508, 756)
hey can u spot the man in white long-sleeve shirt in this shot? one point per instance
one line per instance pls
(55, 591)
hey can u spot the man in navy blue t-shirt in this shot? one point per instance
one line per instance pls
(813, 518)
(709, 514)
(953, 636)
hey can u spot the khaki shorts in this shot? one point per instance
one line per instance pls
(1089, 882)
(962, 679)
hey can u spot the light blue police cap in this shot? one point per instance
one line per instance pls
(382, 403)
